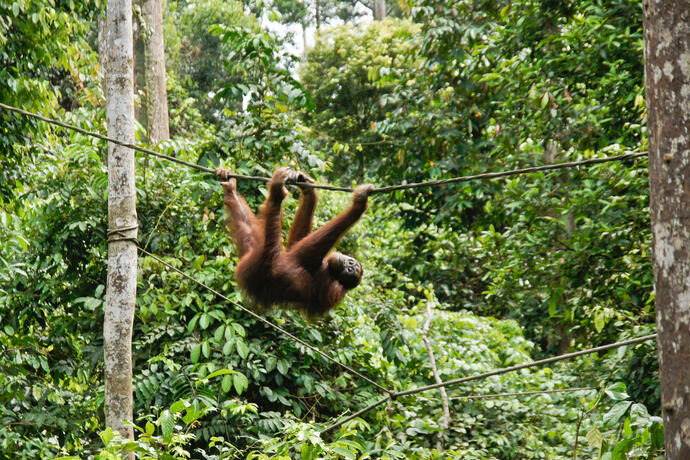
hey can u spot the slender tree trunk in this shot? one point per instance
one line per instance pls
(563, 327)
(304, 41)
(156, 93)
(139, 32)
(318, 15)
(667, 75)
(149, 70)
(379, 10)
(445, 421)
(122, 254)
(102, 56)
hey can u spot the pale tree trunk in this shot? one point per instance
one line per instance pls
(149, 72)
(156, 93)
(122, 252)
(304, 41)
(102, 56)
(379, 10)
(445, 421)
(667, 75)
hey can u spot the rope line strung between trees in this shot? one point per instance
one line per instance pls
(106, 138)
(484, 375)
(523, 393)
(269, 323)
(391, 188)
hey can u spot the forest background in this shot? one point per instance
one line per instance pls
(482, 274)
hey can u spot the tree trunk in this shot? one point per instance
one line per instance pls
(156, 93)
(318, 15)
(379, 10)
(562, 327)
(138, 32)
(304, 40)
(444, 424)
(667, 75)
(149, 70)
(122, 253)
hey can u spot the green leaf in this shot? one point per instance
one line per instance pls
(220, 331)
(226, 384)
(167, 424)
(242, 349)
(616, 412)
(621, 449)
(178, 406)
(352, 444)
(192, 415)
(240, 381)
(219, 372)
(204, 321)
(270, 363)
(239, 329)
(307, 452)
(107, 435)
(150, 428)
(616, 391)
(283, 366)
(227, 348)
(344, 452)
(195, 352)
(192, 323)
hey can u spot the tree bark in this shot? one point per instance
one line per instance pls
(667, 75)
(156, 93)
(122, 254)
(318, 14)
(149, 71)
(445, 421)
(138, 32)
(379, 10)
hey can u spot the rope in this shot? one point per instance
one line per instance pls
(120, 234)
(106, 138)
(270, 324)
(514, 172)
(518, 367)
(523, 393)
(484, 375)
(489, 175)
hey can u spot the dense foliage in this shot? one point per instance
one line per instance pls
(504, 271)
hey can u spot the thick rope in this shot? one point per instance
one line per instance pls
(514, 172)
(484, 375)
(106, 138)
(268, 323)
(489, 175)
(524, 393)
(120, 234)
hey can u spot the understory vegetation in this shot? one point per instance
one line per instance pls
(505, 271)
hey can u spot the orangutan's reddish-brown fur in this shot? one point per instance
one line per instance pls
(304, 274)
